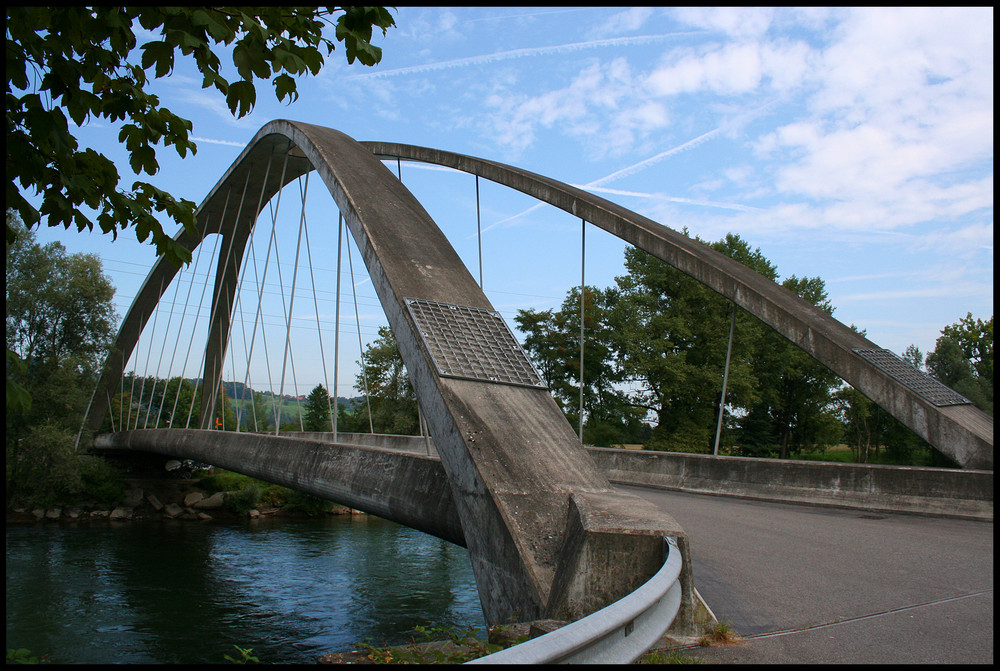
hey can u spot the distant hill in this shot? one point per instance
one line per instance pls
(238, 391)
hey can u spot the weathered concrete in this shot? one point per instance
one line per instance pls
(962, 432)
(937, 491)
(871, 487)
(511, 458)
(388, 441)
(406, 488)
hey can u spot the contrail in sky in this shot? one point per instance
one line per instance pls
(520, 53)
(690, 144)
(624, 172)
(228, 143)
(645, 163)
(642, 165)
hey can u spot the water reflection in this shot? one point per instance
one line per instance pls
(182, 592)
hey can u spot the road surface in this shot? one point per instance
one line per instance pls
(810, 584)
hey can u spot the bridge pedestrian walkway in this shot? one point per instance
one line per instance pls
(805, 584)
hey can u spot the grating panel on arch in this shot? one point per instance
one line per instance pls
(472, 343)
(907, 374)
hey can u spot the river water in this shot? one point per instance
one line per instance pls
(187, 592)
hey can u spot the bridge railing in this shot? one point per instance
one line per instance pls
(617, 634)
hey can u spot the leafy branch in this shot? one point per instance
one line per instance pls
(70, 63)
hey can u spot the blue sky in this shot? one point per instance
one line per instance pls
(851, 144)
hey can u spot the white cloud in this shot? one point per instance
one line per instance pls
(952, 290)
(902, 111)
(578, 109)
(965, 241)
(736, 22)
(626, 21)
(731, 69)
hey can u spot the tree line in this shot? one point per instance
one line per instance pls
(654, 357)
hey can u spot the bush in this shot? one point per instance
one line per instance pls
(226, 481)
(306, 503)
(101, 481)
(44, 470)
(42, 466)
(245, 499)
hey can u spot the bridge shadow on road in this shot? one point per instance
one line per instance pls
(809, 584)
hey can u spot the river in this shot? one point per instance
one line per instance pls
(184, 592)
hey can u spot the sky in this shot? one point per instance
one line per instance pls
(854, 145)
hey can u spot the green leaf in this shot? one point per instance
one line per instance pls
(143, 159)
(90, 66)
(285, 85)
(160, 55)
(241, 98)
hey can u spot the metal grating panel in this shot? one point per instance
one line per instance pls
(472, 343)
(905, 372)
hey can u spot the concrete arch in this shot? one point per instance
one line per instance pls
(961, 431)
(536, 511)
(547, 533)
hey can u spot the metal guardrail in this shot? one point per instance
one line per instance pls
(617, 634)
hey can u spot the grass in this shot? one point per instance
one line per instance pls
(720, 634)
(666, 657)
(436, 645)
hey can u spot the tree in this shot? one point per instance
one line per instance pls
(552, 340)
(317, 411)
(147, 402)
(69, 63)
(59, 306)
(796, 391)
(546, 346)
(670, 337)
(963, 360)
(59, 321)
(859, 417)
(260, 416)
(384, 379)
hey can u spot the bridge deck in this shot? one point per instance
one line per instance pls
(905, 588)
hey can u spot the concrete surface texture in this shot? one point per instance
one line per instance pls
(868, 487)
(812, 585)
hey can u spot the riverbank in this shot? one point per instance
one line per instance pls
(157, 498)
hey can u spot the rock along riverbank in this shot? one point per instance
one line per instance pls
(149, 499)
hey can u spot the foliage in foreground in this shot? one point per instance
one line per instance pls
(666, 657)
(444, 645)
(465, 646)
(43, 469)
(74, 63)
(722, 633)
(244, 658)
(25, 656)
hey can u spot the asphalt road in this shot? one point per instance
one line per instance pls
(809, 584)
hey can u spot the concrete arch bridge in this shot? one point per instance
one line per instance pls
(548, 535)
